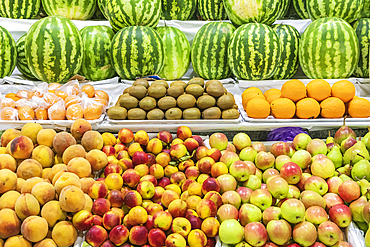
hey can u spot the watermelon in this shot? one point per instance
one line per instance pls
(365, 12)
(289, 39)
(102, 4)
(209, 50)
(54, 49)
(8, 53)
(284, 9)
(19, 9)
(300, 7)
(96, 63)
(254, 52)
(176, 49)
(137, 51)
(21, 58)
(178, 9)
(348, 10)
(362, 29)
(212, 9)
(329, 49)
(123, 13)
(261, 11)
(72, 9)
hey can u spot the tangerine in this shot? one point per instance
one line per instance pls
(318, 89)
(308, 108)
(51, 98)
(344, 90)
(74, 112)
(101, 101)
(283, 108)
(7, 102)
(258, 108)
(272, 94)
(54, 86)
(251, 89)
(61, 94)
(23, 94)
(71, 100)
(57, 112)
(26, 113)
(73, 90)
(294, 90)
(89, 90)
(9, 113)
(332, 107)
(251, 95)
(93, 111)
(41, 114)
(101, 94)
(359, 108)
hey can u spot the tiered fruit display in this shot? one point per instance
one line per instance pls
(310, 101)
(179, 100)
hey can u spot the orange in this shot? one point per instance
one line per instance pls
(7, 102)
(93, 111)
(12, 96)
(283, 108)
(54, 86)
(71, 100)
(61, 94)
(101, 94)
(73, 90)
(332, 107)
(101, 101)
(272, 94)
(41, 114)
(51, 98)
(23, 94)
(57, 112)
(294, 90)
(251, 95)
(89, 90)
(308, 108)
(359, 108)
(26, 113)
(8, 113)
(251, 89)
(318, 89)
(74, 112)
(258, 108)
(344, 90)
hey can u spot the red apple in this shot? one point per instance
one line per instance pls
(244, 193)
(332, 199)
(291, 172)
(255, 234)
(349, 191)
(279, 148)
(340, 214)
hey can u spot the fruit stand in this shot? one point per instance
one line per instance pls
(124, 123)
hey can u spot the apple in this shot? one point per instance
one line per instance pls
(349, 191)
(231, 232)
(249, 213)
(293, 211)
(248, 154)
(302, 158)
(259, 146)
(231, 197)
(316, 215)
(332, 199)
(291, 172)
(219, 141)
(317, 244)
(281, 160)
(293, 192)
(227, 183)
(278, 187)
(316, 184)
(304, 233)
(244, 193)
(240, 170)
(333, 184)
(341, 244)
(264, 160)
(279, 231)
(322, 166)
(261, 198)
(271, 213)
(301, 141)
(279, 148)
(226, 212)
(328, 233)
(241, 140)
(317, 146)
(341, 215)
(303, 180)
(269, 173)
(228, 158)
(181, 226)
(255, 234)
(311, 198)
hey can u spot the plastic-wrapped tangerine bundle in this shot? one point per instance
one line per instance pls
(71, 88)
(92, 108)
(7, 102)
(9, 113)
(88, 90)
(51, 99)
(26, 113)
(26, 102)
(57, 111)
(74, 112)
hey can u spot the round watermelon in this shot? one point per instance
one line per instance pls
(300, 7)
(21, 58)
(178, 9)
(254, 52)
(54, 49)
(284, 8)
(102, 4)
(19, 9)
(365, 12)
(8, 53)
(260, 11)
(209, 50)
(289, 39)
(212, 10)
(123, 13)
(176, 49)
(348, 10)
(72, 9)
(329, 49)
(362, 29)
(96, 63)
(137, 51)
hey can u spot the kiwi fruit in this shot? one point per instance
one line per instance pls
(136, 114)
(226, 101)
(186, 101)
(160, 82)
(119, 99)
(148, 103)
(195, 90)
(213, 82)
(191, 113)
(128, 102)
(142, 82)
(117, 113)
(157, 91)
(211, 113)
(179, 83)
(166, 103)
(197, 80)
(138, 92)
(206, 101)
(230, 114)
(215, 90)
(235, 106)
(155, 114)
(126, 91)
(173, 114)
(175, 91)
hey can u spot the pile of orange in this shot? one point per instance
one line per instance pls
(70, 103)
(315, 99)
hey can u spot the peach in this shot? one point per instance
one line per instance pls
(55, 169)
(109, 139)
(154, 146)
(215, 197)
(119, 147)
(3, 150)
(79, 166)
(132, 199)
(64, 234)
(57, 176)
(175, 240)
(17, 241)
(83, 220)
(44, 155)
(191, 144)
(125, 135)
(195, 189)
(138, 235)
(120, 212)
(20, 183)
(34, 228)
(184, 196)
(100, 206)
(29, 183)
(98, 190)
(29, 168)
(192, 172)
(177, 178)
(143, 169)
(178, 151)
(113, 168)
(162, 220)
(165, 136)
(97, 220)
(210, 227)
(201, 152)
(163, 159)
(153, 208)
(119, 235)
(192, 202)
(184, 132)
(43, 192)
(110, 150)
(45, 137)
(66, 179)
(52, 212)
(86, 183)
(92, 140)
(114, 181)
(169, 196)
(158, 193)
(72, 199)
(73, 151)
(156, 238)
(88, 203)
(197, 238)
(97, 159)
(31, 130)
(10, 225)
(47, 242)
(7, 162)
(141, 137)
(26, 205)
(133, 148)
(20, 147)
(8, 180)
(96, 236)
(62, 141)
(206, 208)
(177, 208)
(115, 197)
(137, 216)
(149, 178)
(46, 172)
(111, 219)
(8, 199)
(79, 128)
(169, 170)
(131, 178)
(9, 135)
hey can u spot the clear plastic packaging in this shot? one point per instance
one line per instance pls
(9, 113)
(57, 111)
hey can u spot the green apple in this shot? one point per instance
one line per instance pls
(293, 211)
(231, 232)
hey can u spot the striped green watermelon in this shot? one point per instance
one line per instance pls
(254, 52)
(362, 29)
(19, 9)
(289, 39)
(103, 8)
(72, 9)
(209, 50)
(365, 12)
(212, 10)
(284, 8)
(21, 58)
(176, 53)
(329, 49)
(260, 11)
(348, 10)
(54, 49)
(8, 53)
(300, 7)
(96, 64)
(178, 9)
(137, 51)
(123, 13)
